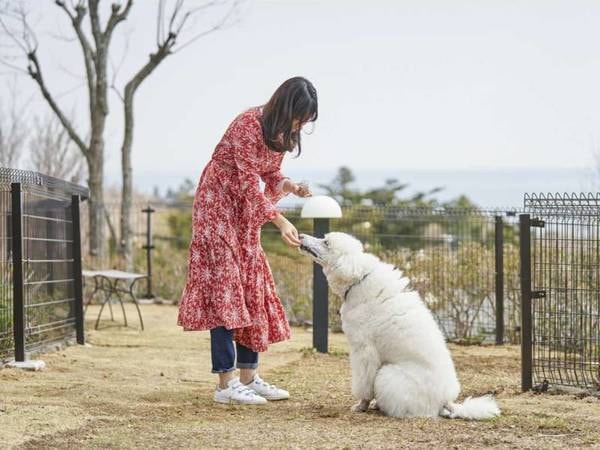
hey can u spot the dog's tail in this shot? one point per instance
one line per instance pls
(478, 408)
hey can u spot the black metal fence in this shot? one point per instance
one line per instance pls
(465, 263)
(41, 298)
(560, 260)
(457, 259)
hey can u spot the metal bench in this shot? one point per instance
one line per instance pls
(114, 282)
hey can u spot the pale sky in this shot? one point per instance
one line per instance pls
(416, 84)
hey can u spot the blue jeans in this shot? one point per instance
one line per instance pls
(223, 354)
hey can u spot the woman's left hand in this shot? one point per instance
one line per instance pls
(299, 189)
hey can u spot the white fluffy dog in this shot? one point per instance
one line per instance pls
(398, 354)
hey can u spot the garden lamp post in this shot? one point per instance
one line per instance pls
(321, 208)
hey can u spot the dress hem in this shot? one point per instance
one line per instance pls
(270, 341)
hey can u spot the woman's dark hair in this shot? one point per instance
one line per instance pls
(296, 99)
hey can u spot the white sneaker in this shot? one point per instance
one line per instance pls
(266, 390)
(237, 392)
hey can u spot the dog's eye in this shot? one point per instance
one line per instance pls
(326, 243)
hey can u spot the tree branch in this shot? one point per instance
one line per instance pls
(160, 22)
(88, 51)
(117, 68)
(13, 67)
(95, 21)
(36, 73)
(11, 34)
(26, 41)
(155, 59)
(116, 17)
(164, 47)
(214, 28)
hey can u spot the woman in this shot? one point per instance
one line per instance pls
(230, 289)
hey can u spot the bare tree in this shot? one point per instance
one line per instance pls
(94, 38)
(12, 130)
(52, 152)
(168, 31)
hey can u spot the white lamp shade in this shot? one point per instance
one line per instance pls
(321, 207)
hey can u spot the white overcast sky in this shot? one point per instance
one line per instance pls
(416, 84)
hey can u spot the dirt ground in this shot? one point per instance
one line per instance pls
(153, 389)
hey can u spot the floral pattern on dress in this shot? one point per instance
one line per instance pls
(229, 281)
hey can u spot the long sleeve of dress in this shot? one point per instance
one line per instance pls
(245, 144)
(274, 185)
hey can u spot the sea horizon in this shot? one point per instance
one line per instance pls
(486, 187)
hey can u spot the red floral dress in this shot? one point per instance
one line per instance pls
(229, 281)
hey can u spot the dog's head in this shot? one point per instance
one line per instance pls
(331, 248)
(341, 256)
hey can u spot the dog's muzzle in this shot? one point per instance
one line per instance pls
(310, 245)
(308, 250)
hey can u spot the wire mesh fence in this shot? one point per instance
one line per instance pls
(169, 235)
(48, 266)
(450, 255)
(563, 299)
(38, 257)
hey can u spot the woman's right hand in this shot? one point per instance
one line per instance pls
(289, 234)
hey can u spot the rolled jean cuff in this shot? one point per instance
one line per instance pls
(243, 365)
(223, 370)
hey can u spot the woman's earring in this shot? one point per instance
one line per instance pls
(312, 129)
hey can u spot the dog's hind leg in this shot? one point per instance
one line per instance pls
(405, 391)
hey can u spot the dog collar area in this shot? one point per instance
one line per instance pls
(355, 283)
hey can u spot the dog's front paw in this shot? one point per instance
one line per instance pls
(361, 406)
(374, 406)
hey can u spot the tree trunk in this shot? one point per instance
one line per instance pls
(98, 114)
(127, 188)
(97, 248)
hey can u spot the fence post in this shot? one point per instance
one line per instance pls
(526, 331)
(320, 295)
(77, 275)
(17, 263)
(148, 247)
(499, 249)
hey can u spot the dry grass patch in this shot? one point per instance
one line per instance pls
(153, 389)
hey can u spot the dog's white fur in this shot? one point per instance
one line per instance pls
(398, 354)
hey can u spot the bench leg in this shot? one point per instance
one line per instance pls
(106, 300)
(107, 287)
(112, 317)
(135, 302)
(91, 297)
(138, 310)
(122, 306)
